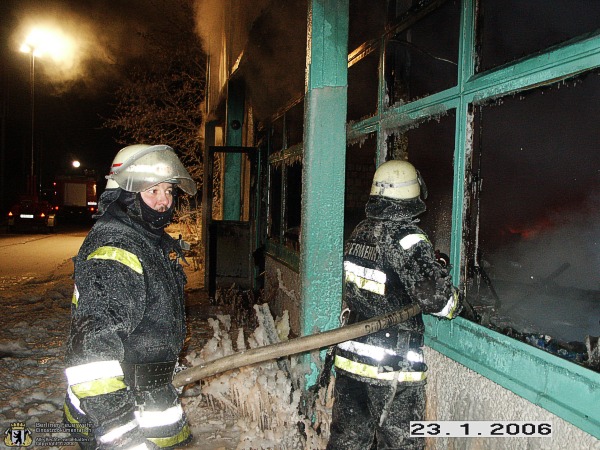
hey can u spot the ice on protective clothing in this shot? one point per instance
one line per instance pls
(413, 274)
(395, 266)
(129, 308)
(388, 263)
(358, 409)
(121, 314)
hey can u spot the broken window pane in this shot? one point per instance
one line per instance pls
(293, 196)
(360, 167)
(430, 148)
(363, 87)
(275, 183)
(506, 30)
(533, 268)
(422, 59)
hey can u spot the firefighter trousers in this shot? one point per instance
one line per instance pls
(357, 412)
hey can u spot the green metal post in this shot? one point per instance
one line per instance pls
(233, 161)
(324, 166)
(463, 140)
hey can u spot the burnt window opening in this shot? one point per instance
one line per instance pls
(417, 61)
(275, 207)
(285, 199)
(369, 17)
(294, 124)
(285, 180)
(534, 250)
(421, 60)
(505, 32)
(363, 87)
(360, 168)
(430, 148)
(366, 20)
(277, 136)
(293, 199)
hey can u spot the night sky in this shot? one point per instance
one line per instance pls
(73, 94)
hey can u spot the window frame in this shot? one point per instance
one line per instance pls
(283, 157)
(566, 389)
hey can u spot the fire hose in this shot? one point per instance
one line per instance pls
(294, 346)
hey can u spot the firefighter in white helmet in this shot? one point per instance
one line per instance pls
(388, 263)
(128, 324)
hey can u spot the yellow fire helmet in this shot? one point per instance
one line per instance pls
(398, 180)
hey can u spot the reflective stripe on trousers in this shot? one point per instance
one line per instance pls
(368, 371)
(378, 353)
(149, 421)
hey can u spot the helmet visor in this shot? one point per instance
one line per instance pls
(154, 165)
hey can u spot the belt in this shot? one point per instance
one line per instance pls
(149, 375)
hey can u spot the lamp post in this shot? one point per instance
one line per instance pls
(53, 43)
(29, 48)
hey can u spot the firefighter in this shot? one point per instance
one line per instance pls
(127, 313)
(388, 263)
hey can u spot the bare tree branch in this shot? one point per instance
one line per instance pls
(160, 100)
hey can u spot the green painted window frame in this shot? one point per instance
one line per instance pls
(276, 249)
(284, 255)
(565, 389)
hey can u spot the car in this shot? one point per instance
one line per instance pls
(32, 213)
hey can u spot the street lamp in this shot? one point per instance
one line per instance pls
(42, 41)
(28, 47)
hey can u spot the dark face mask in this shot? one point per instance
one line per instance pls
(157, 220)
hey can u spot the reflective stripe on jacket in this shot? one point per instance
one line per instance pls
(389, 263)
(128, 307)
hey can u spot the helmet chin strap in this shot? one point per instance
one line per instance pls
(422, 186)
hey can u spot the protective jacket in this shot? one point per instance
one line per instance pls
(127, 330)
(389, 263)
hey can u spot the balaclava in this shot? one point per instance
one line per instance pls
(157, 220)
(136, 208)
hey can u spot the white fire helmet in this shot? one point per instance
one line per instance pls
(398, 180)
(139, 167)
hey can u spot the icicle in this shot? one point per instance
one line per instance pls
(240, 343)
(261, 396)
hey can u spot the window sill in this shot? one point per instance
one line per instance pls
(565, 389)
(283, 254)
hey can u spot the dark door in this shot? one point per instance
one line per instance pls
(229, 243)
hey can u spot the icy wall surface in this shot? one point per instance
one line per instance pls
(457, 393)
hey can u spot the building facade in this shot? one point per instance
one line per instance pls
(305, 99)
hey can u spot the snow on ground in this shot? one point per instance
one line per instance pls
(35, 323)
(253, 407)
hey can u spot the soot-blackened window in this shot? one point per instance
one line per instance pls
(535, 247)
(512, 29)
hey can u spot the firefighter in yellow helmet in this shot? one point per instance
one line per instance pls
(128, 324)
(388, 263)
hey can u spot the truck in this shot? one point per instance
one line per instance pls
(75, 198)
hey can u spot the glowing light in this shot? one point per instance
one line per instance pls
(531, 231)
(48, 42)
(76, 164)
